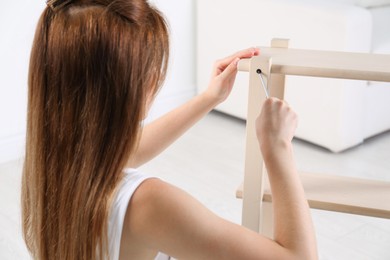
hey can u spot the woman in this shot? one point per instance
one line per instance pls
(96, 66)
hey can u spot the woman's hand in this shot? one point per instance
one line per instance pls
(224, 75)
(276, 124)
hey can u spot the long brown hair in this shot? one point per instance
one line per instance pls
(93, 64)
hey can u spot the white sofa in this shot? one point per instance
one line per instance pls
(335, 114)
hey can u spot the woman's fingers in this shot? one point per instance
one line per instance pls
(222, 64)
(230, 69)
(224, 74)
(277, 122)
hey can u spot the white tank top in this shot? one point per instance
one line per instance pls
(132, 179)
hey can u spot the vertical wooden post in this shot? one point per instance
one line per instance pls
(254, 177)
(254, 166)
(266, 220)
(277, 84)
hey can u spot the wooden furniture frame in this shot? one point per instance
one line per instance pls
(326, 192)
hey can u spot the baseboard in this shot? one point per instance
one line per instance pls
(11, 147)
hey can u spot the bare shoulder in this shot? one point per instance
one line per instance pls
(162, 217)
(156, 205)
(139, 210)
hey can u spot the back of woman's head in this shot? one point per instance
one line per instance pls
(93, 64)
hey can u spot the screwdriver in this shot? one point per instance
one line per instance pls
(262, 82)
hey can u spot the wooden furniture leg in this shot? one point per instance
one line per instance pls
(254, 166)
(276, 86)
(267, 219)
(277, 82)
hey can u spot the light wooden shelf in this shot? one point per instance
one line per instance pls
(328, 64)
(326, 192)
(341, 194)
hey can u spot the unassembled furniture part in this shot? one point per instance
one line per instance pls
(326, 192)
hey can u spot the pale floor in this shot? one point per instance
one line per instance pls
(208, 162)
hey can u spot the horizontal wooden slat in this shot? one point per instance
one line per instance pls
(342, 194)
(329, 64)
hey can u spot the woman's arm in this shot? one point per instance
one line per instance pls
(169, 220)
(293, 226)
(158, 135)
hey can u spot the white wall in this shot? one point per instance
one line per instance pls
(180, 83)
(17, 26)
